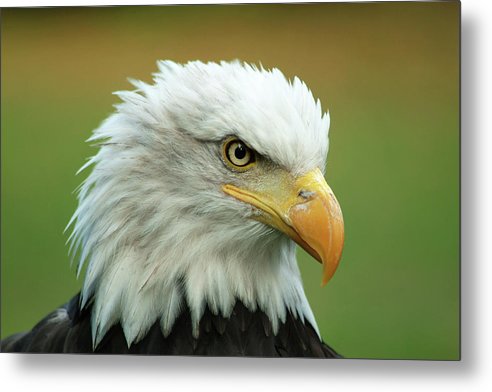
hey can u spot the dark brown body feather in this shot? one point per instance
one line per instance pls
(244, 333)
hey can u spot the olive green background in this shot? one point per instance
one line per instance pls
(387, 72)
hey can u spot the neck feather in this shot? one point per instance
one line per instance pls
(139, 285)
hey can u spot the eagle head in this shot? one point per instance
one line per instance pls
(202, 184)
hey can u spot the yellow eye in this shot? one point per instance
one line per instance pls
(238, 155)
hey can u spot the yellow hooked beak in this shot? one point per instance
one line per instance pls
(306, 210)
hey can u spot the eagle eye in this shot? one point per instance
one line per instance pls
(238, 155)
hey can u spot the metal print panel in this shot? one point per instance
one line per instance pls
(271, 180)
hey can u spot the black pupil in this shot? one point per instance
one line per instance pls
(240, 151)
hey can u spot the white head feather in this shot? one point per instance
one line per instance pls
(153, 224)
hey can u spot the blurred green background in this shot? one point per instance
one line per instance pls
(387, 72)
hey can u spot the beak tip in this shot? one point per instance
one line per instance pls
(325, 280)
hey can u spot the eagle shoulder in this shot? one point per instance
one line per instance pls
(243, 333)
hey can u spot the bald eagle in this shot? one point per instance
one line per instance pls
(203, 183)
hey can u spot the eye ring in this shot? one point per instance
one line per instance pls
(237, 155)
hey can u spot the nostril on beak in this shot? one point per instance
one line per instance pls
(306, 195)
